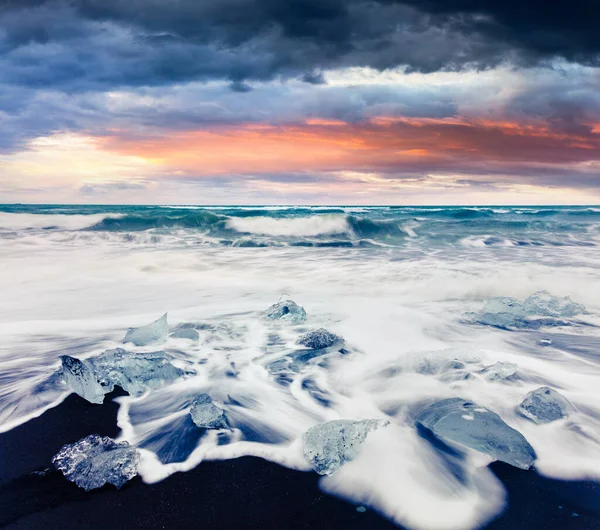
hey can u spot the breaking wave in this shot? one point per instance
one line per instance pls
(314, 225)
(425, 227)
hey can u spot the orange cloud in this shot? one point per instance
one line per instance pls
(382, 144)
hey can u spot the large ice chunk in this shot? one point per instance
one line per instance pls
(544, 304)
(135, 372)
(207, 413)
(538, 310)
(319, 339)
(152, 333)
(463, 422)
(286, 310)
(81, 379)
(545, 405)
(330, 445)
(97, 460)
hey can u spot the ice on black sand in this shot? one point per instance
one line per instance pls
(134, 372)
(152, 333)
(545, 405)
(286, 310)
(319, 339)
(81, 379)
(465, 423)
(207, 413)
(97, 460)
(330, 445)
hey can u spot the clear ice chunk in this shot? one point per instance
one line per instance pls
(286, 310)
(501, 371)
(81, 379)
(152, 333)
(538, 310)
(544, 304)
(186, 333)
(465, 423)
(207, 413)
(328, 446)
(134, 372)
(97, 460)
(319, 339)
(545, 405)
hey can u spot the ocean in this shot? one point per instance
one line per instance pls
(406, 288)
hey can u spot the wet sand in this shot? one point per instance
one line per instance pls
(243, 493)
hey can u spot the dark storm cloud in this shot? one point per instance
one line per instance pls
(93, 43)
(538, 28)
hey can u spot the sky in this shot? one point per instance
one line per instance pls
(300, 101)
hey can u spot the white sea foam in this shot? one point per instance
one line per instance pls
(315, 225)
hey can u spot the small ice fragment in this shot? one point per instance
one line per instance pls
(486, 432)
(286, 310)
(81, 379)
(134, 372)
(186, 333)
(361, 509)
(97, 460)
(328, 446)
(152, 333)
(208, 414)
(545, 342)
(545, 405)
(319, 339)
(501, 371)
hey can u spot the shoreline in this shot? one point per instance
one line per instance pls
(242, 493)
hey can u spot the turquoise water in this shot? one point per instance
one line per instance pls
(327, 226)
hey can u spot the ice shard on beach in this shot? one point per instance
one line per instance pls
(81, 379)
(319, 339)
(545, 405)
(286, 310)
(97, 460)
(330, 445)
(207, 413)
(134, 372)
(465, 423)
(501, 371)
(152, 333)
(544, 304)
(538, 310)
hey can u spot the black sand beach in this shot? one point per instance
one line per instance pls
(236, 494)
